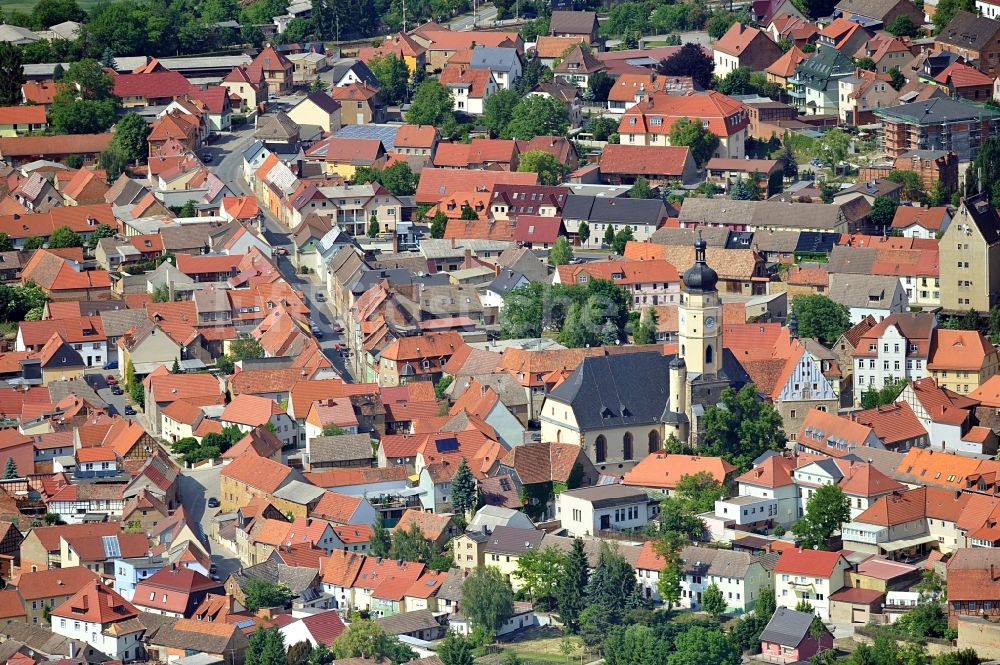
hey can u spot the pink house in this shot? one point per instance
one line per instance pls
(788, 638)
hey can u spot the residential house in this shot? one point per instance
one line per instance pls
(863, 92)
(164, 388)
(921, 222)
(815, 86)
(173, 591)
(156, 88)
(644, 216)
(961, 360)
(469, 87)
(503, 63)
(277, 70)
(898, 347)
(809, 575)
(874, 13)
(876, 295)
(963, 81)
(246, 85)
(828, 434)
(975, 38)
(646, 283)
(20, 150)
(970, 247)
(578, 66)
(649, 121)
(932, 166)
(401, 45)
(843, 35)
(43, 590)
(744, 46)
(576, 24)
(251, 476)
(788, 636)
(973, 579)
(21, 120)
(248, 412)
(658, 165)
(360, 103)
(103, 619)
(589, 511)
(319, 109)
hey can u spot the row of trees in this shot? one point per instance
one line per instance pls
(211, 445)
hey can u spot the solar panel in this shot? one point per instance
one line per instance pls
(448, 445)
(111, 548)
(246, 623)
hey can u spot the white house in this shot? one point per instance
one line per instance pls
(897, 348)
(248, 412)
(876, 295)
(810, 575)
(99, 616)
(587, 510)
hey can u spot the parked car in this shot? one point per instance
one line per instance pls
(110, 380)
(117, 390)
(129, 411)
(281, 251)
(320, 297)
(213, 503)
(111, 364)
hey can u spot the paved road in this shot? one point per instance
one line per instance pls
(196, 485)
(485, 15)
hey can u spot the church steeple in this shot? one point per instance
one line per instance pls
(700, 316)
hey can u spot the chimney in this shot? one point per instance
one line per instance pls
(468, 257)
(454, 244)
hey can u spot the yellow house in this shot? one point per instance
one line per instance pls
(961, 360)
(20, 120)
(403, 47)
(342, 156)
(500, 549)
(318, 109)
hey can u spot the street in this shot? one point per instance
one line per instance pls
(484, 16)
(196, 485)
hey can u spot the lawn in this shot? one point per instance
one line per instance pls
(539, 645)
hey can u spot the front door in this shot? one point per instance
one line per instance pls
(605, 521)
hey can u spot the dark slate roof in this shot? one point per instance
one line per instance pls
(511, 540)
(826, 63)
(616, 211)
(934, 111)
(617, 391)
(740, 240)
(816, 241)
(361, 70)
(969, 31)
(984, 216)
(324, 101)
(573, 23)
(505, 281)
(787, 627)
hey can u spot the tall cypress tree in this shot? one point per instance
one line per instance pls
(570, 598)
(463, 489)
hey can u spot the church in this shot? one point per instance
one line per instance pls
(621, 407)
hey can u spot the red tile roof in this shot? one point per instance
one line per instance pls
(259, 472)
(648, 160)
(813, 563)
(22, 115)
(663, 471)
(96, 603)
(164, 83)
(54, 582)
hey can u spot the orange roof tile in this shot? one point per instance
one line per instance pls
(663, 471)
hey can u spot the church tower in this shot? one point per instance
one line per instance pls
(700, 317)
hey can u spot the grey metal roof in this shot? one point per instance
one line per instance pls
(937, 110)
(408, 622)
(852, 260)
(497, 59)
(787, 627)
(873, 291)
(620, 390)
(299, 492)
(361, 70)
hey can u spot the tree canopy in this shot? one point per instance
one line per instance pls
(549, 169)
(826, 510)
(691, 60)
(698, 138)
(487, 598)
(432, 104)
(742, 429)
(820, 317)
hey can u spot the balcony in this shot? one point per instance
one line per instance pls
(858, 532)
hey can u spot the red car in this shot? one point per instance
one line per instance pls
(110, 380)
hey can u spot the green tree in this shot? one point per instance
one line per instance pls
(910, 181)
(583, 233)
(833, 146)
(698, 138)
(641, 189)
(47, 13)
(487, 598)
(364, 638)
(896, 78)
(243, 348)
(498, 109)
(599, 84)
(570, 590)
(438, 224)
(960, 657)
(264, 593)
(101, 231)
(742, 429)
(945, 10)
(985, 165)
(691, 60)
(114, 162)
(333, 430)
(672, 572)
(373, 228)
(790, 164)
(902, 26)
(645, 332)
(399, 179)
(927, 620)
(609, 235)
(456, 650)
(549, 169)
(10, 470)
(298, 653)
(64, 237)
(409, 544)
(713, 602)
(612, 593)
(84, 102)
(130, 137)
(34, 242)
(381, 539)
(442, 385)
(882, 212)
(11, 74)
(540, 572)
(744, 190)
(561, 253)
(432, 104)
(887, 394)
(468, 212)
(622, 238)
(537, 116)
(865, 63)
(393, 77)
(826, 510)
(699, 645)
(636, 644)
(161, 293)
(600, 127)
(5, 244)
(464, 497)
(820, 317)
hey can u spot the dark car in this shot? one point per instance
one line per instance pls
(129, 411)
(213, 503)
(117, 390)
